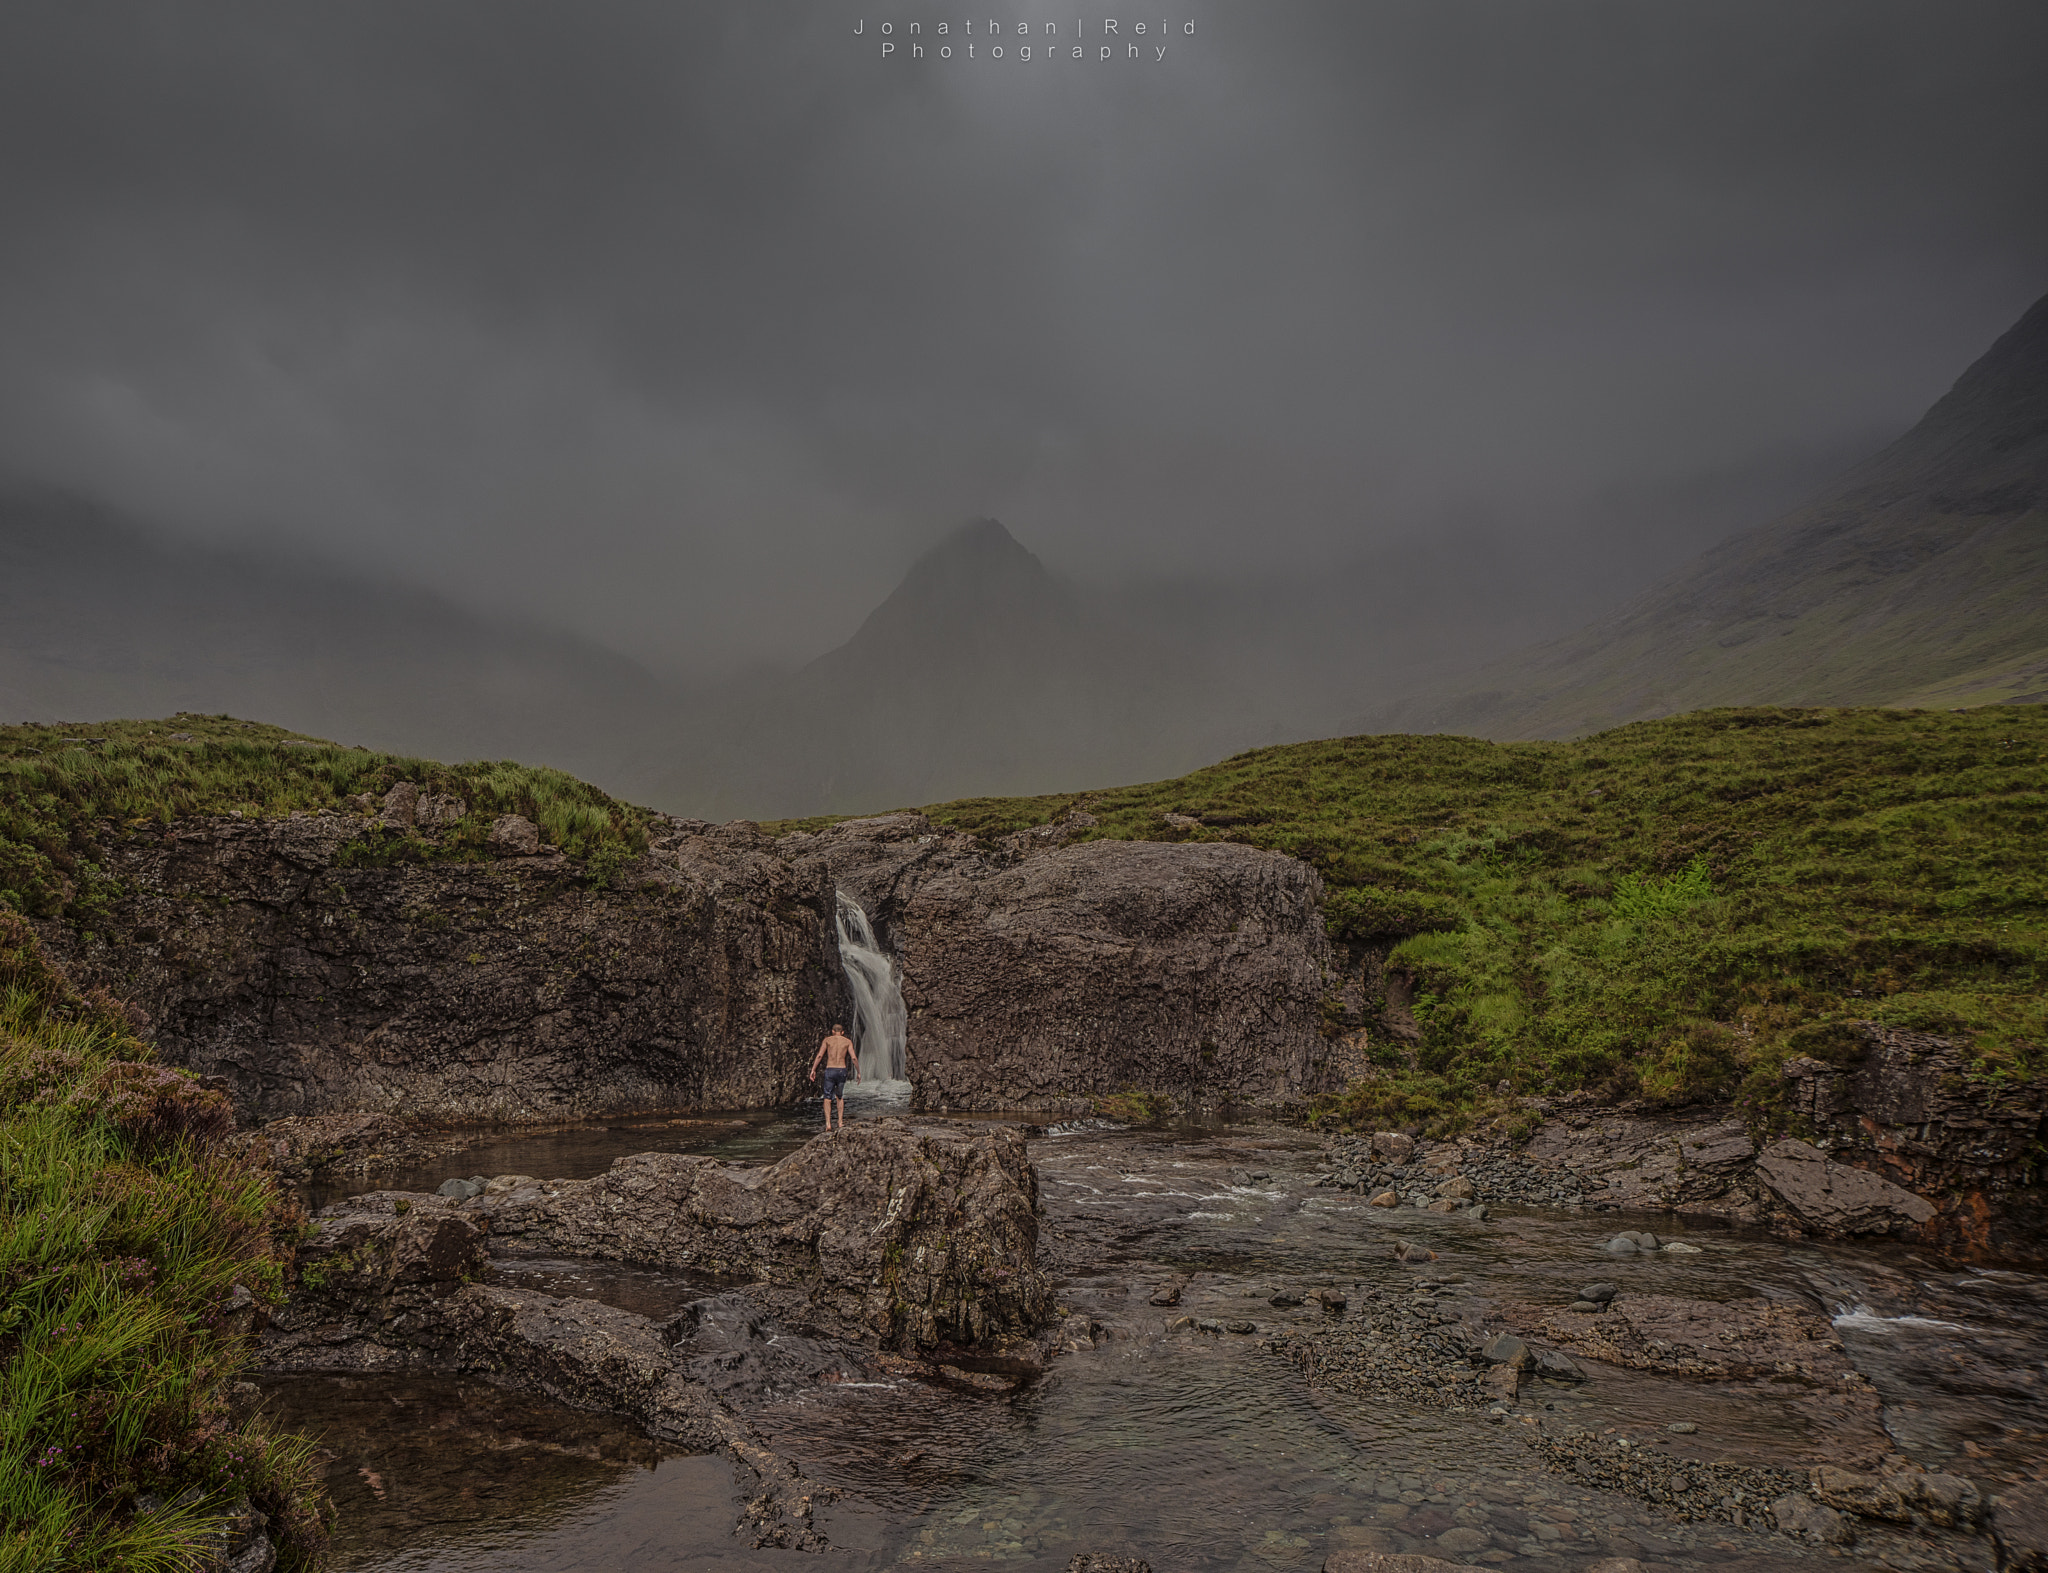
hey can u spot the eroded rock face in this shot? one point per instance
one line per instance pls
(902, 1235)
(1903, 1142)
(1832, 1198)
(506, 990)
(1910, 1112)
(1039, 974)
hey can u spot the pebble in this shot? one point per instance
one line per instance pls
(1682, 1427)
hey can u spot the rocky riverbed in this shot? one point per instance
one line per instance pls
(1243, 1366)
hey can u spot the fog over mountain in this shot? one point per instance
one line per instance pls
(583, 382)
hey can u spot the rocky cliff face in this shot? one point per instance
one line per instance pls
(506, 990)
(1038, 974)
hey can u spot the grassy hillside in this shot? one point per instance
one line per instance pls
(64, 787)
(1926, 567)
(1668, 909)
(124, 1236)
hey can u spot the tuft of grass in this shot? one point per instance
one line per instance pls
(1661, 910)
(1133, 1106)
(124, 1234)
(66, 790)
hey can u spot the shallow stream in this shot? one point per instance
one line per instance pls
(1194, 1452)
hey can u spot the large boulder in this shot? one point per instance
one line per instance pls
(1832, 1198)
(901, 1234)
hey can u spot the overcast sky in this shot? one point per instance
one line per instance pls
(688, 325)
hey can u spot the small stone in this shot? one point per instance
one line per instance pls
(1457, 1188)
(1333, 1299)
(1385, 1199)
(1463, 1539)
(1285, 1299)
(1680, 1248)
(1166, 1294)
(1599, 1293)
(1867, 1496)
(513, 835)
(1477, 1214)
(1392, 1147)
(1682, 1428)
(1947, 1500)
(1558, 1366)
(1586, 1305)
(1442, 1204)
(1505, 1349)
(1802, 1516)
(1621, 1245)
(1646, 1241)
(1241, 1326)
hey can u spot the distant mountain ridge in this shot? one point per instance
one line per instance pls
(98, 618)
(1925, 568)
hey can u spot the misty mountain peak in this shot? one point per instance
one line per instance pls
(977, 586)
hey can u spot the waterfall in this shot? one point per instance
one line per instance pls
(878, 1013)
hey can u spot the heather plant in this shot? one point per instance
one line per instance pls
(125, 1231)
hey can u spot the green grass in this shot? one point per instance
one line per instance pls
(1669, 909)
(61, 797)
(123, 1232)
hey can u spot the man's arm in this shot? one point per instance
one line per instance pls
(815, 1058)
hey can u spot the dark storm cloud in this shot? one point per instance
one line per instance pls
(688, 324)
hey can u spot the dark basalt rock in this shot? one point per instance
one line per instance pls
(275, 954)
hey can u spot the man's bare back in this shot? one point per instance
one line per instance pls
(836, 1052)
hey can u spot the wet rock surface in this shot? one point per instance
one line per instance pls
(898, 1235)
(319, 1146)
(1177, 1442)
(907, 1235)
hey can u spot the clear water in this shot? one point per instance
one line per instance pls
(1195, 1453)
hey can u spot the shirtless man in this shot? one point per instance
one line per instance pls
(837, 1053)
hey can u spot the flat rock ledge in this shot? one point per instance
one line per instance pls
(895, 1237)
(902, 1234)
(1904, 1143)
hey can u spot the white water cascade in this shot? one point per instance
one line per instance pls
(878, 1014)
